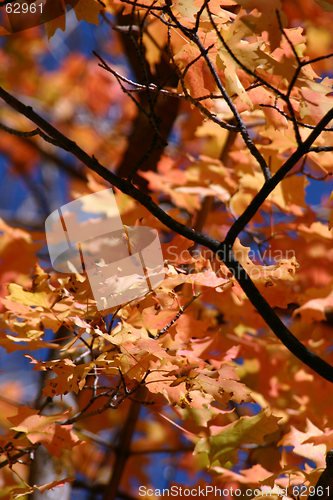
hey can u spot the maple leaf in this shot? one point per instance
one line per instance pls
(259, 97)
(222, 385)
(45, 430)
(153, 52)
(85, 10)
(69, 376)
(326, 439)
(272, 281)
(292, 471)
(249, 54)
(36, 299)
(252, 476)
(315, 309)
(188, 9)
(176, 252)
(88, 10)
(303, 445)
(200, 411)
(315, 100)
(18, 255)
(223, 443)
(197, 78)
(267, 20)
(52, 26)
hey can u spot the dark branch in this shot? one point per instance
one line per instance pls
(92, 163)
(321, 149)
(292, 82)
(271, 184)
(273, 321)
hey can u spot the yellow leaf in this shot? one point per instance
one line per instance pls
(52, 26)
(88, 10)
(247, 53)
(43, 299)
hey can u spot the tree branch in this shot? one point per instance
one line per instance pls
(271, 184)
(92, 163)
(224, 248)
(313, 361)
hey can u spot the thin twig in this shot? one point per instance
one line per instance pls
(196, 102)
(321, 149)
(292, 82)
(178, 315)
(300, 124)
(30, 133)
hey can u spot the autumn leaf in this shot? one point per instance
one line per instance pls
(69, 377)
(272, 281)
(45, 430)
(316, 309)
(36, 299)
(288, 469)
(316, 100)
(252, 476)
(85, 10)
(176, 252)
(303, 445)
(222, 446)
(247, 53)
(197, 79)
(88, 10)
(52, 26)
(267, 19)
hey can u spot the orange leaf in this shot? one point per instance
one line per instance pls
(45, 430)
(303, 445)
(176, 251)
